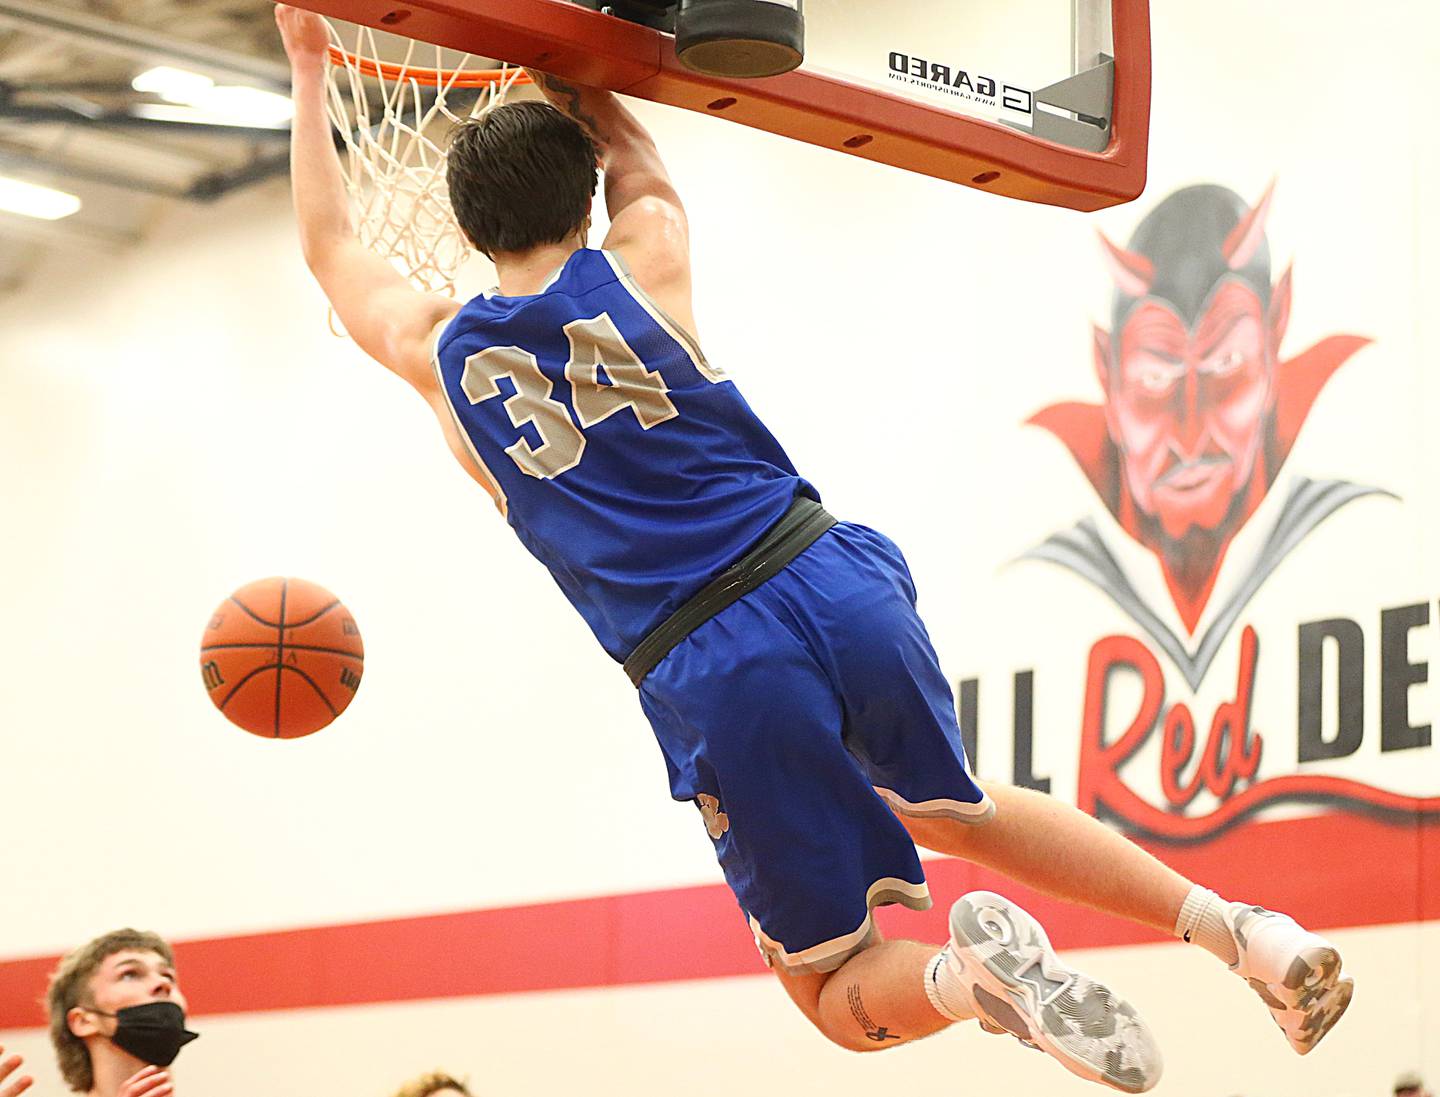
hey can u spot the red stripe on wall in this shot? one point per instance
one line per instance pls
(1329, 871)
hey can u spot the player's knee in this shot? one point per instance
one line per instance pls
(836, 1019)
(842, 1034)
(851, 1039)
(845, 1033)
(815, 998)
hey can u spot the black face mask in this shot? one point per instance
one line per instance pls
(154, 1032)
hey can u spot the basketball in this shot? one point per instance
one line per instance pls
(281, 658)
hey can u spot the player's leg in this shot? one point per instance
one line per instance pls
(875, 1000)
(998, 969)
(903, 729)
(752, 731)
(810, 856)
(1056, 848)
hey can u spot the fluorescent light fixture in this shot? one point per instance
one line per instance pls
(173, 85)
(246, 106)
(164, 112)
(31, 200)
(227, 104)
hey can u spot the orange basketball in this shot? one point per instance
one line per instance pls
(281, 658)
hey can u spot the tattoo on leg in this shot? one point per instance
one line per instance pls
(878, 1033)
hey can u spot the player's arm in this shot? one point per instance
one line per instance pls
(647, 221)
(387, 317)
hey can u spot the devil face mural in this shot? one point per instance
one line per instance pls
(1199, 410)
(1187, 408)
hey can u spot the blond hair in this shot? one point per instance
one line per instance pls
(70, 987)
(433, 1082)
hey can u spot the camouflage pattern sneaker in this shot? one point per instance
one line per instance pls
(1016, 984)
(1296, 973)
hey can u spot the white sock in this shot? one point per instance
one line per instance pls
(943, 988)
(1202, 922)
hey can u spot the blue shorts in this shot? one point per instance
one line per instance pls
(800, 719)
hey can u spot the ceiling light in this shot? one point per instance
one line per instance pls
(176, 85)
(246, 106)
(31, 200)
(228, 104)
(164, 112)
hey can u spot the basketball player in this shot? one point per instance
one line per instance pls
(778, 656)
(117, 1016)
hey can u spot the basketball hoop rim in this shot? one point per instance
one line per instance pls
(450, 78)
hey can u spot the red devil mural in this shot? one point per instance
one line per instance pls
(1200, 412)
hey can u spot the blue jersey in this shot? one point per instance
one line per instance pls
(627, 464)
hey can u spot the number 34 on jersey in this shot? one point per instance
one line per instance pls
(593, 343)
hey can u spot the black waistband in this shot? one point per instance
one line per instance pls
(800, 528)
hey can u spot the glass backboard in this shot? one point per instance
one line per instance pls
(1039, 100)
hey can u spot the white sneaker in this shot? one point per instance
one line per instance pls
(1015, 983)
(1294, 971)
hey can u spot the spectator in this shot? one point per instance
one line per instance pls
(117, 1016)
(1409, 1084)
(427, 1085)
(8, 1067)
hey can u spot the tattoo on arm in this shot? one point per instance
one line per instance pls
(878, 1033)
(556, 89)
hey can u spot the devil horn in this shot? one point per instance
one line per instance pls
(1245, 238)
(1132, 272)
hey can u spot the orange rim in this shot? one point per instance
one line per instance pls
(457, 78)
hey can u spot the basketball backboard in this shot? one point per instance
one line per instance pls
(1040, 100)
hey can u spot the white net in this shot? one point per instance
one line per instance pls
(393, 118)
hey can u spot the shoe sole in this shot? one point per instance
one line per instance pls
(1330, 1012)
(1314, 978)
(998, 945)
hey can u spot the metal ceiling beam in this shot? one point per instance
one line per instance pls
(11, 160)
(139, 43)
(205, 188)
(126, 120)
(70, 87)
(211, 187)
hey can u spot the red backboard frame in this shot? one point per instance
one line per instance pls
(604, 51)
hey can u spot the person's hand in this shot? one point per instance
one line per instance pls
(304, 35)
(150, 1082)
(13, 1087)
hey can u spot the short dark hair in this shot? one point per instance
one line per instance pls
(520, 176)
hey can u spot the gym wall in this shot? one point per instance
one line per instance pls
(177, 420)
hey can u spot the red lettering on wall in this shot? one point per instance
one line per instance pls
(1226, 767)
(1176, 750)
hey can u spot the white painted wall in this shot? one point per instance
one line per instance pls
(178, 421)
(720, 1035)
